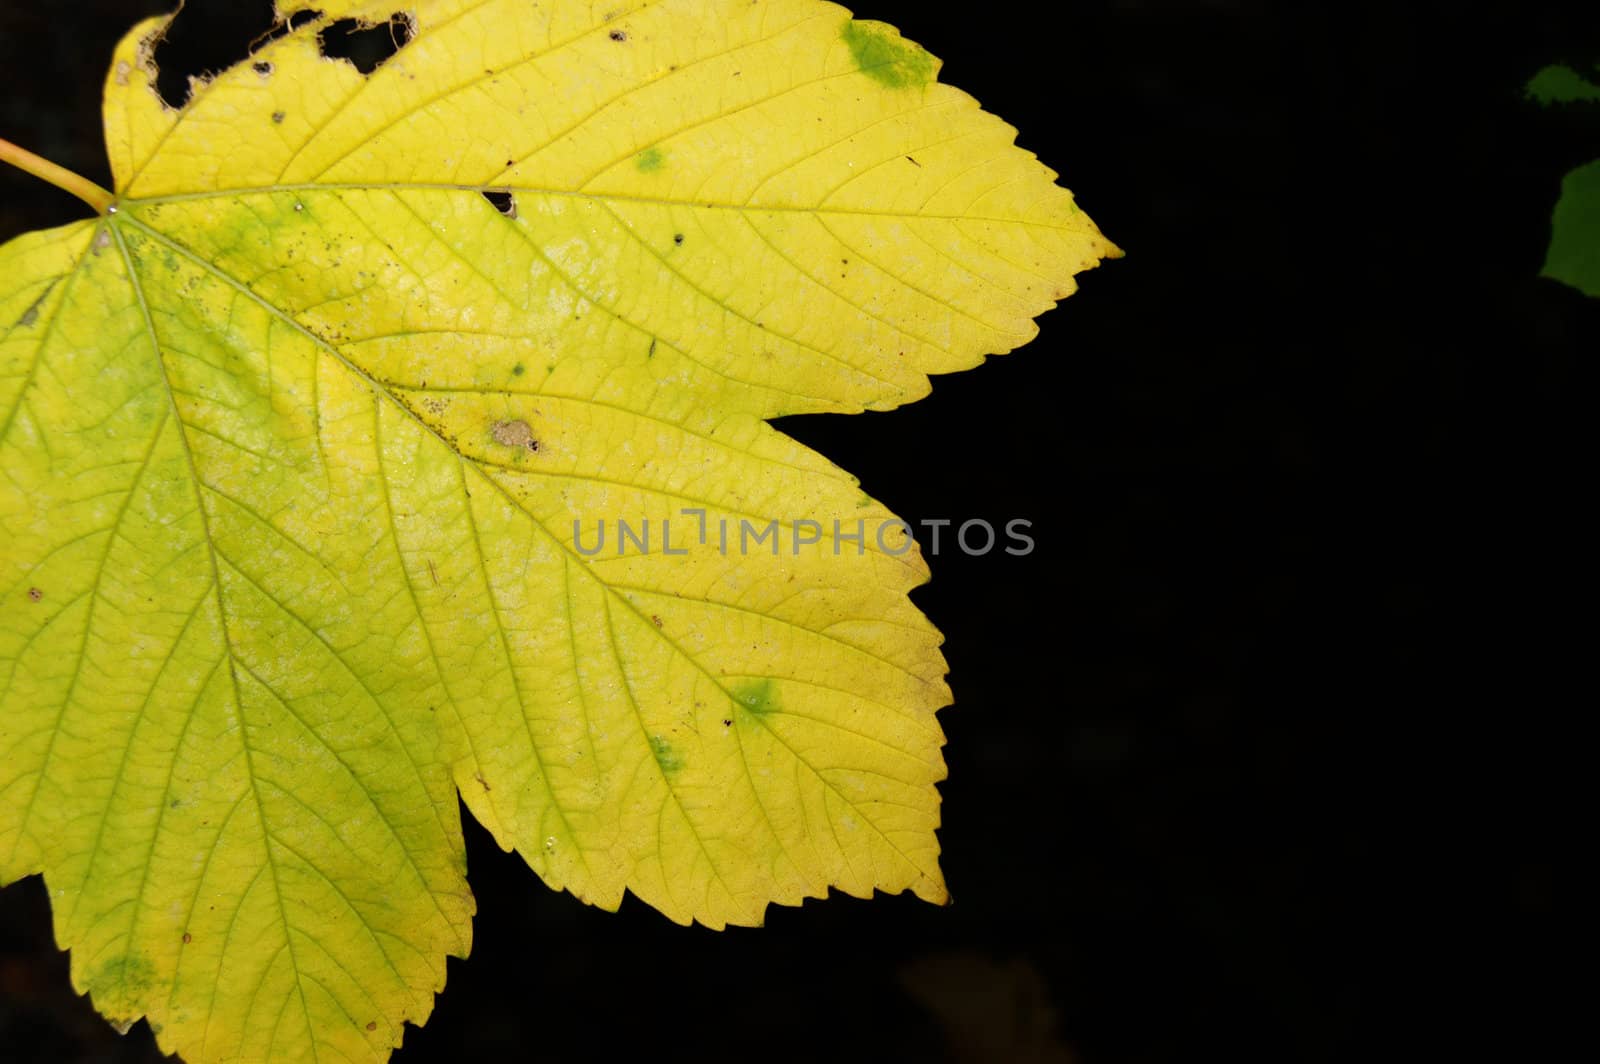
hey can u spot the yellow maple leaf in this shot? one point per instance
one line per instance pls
(397, 431)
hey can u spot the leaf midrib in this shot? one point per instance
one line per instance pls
(567, 193)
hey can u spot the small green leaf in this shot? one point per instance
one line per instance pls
(1574, 256)
(1557, 84)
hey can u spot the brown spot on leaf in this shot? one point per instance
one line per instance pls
(31, 315)
(34, 594)
(514, 434)
(187, 938)
(278, 117)
(479, 777)
(619, 36)
(124, 68)
(372, 1025)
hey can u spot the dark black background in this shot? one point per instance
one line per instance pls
(1304, 476)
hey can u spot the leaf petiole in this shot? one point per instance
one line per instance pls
(59, 176)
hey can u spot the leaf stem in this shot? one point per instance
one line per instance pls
(59, 176)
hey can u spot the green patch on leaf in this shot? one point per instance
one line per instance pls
(666, 755)
(122, 978)
(885, 56)
(758, 697)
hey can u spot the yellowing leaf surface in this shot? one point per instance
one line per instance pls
(306, 444)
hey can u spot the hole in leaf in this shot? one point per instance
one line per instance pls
(502, 201)
(363, 45)
(204, 39)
